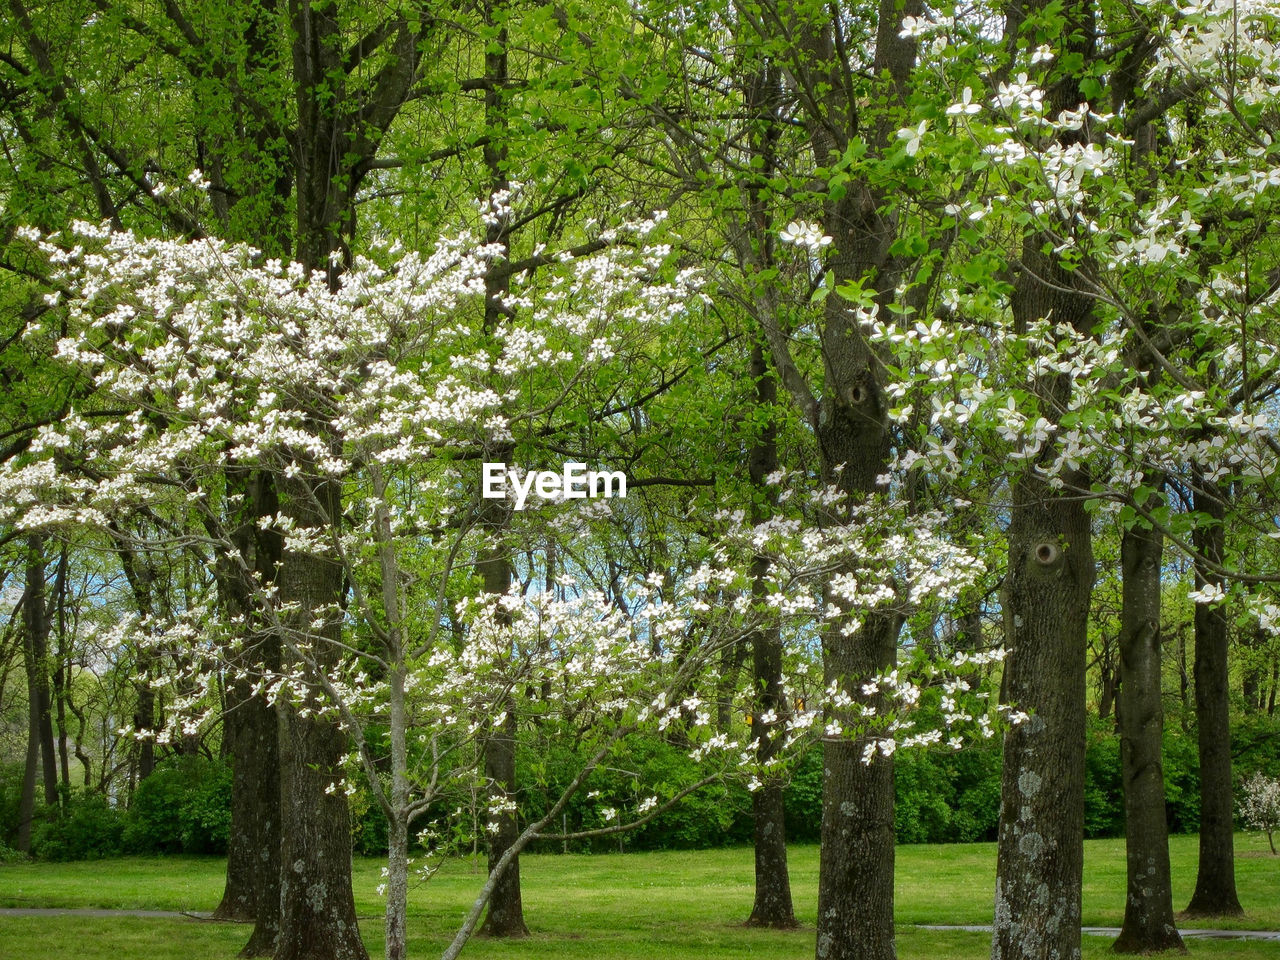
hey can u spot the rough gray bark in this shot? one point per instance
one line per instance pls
(317, 907)
(1040, 849)
(1215, 893)
(505, 917)
(772, 906)
(1040, 854)
(1149, 925)
(855, 881)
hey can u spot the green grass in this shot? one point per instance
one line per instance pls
(675, 904)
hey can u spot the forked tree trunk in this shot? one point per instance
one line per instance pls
(1149, 925)
(1215, 894)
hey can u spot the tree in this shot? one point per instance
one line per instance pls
(1260, 807)
(1148, 916)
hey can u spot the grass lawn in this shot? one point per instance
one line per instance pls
(676, 904)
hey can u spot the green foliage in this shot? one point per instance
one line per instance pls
(89, 829)
(1103, 789)
(940, 797)
(715, 816)
(10, 799)
(183, 807)
(368, 825)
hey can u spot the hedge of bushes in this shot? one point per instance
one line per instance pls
(184, 806)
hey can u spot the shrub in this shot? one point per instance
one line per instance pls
(1260, 805)
(89, 828)
(1103, 788)
(183, 807)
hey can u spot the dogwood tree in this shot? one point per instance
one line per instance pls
(366, 405)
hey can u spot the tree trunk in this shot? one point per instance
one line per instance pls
(35, 611)
(1040, 854)
(1149, 925)
(62, 670)
(27, 801)
(505, 917)
(1048, 586)
(1215, 893)
(855, 876)
(772, 906)
(318, 914)
(396, 946)
(317, 908)
(252, 888)
(238, 902)
(251, 727)
(506, 909)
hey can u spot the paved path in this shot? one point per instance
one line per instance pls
(1273, 935)
(1115, 932)
(94, 912)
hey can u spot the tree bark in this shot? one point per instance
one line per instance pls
(855, 877)
(1149, 925)
(506, 908)
(62, 670)
(35, 612)
(1040, 853)
(317, 907)
(1215, 893)
(250, 724)
(27, 800)
(505, 917)
(1048, 586)
(772, 906)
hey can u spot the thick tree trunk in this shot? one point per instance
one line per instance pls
(238, 901)
(506, 908)
(772, 906)
(1040, 854)
(252, 889)
(855, 876)
(317, 908)
(1215, 892)
(1149, 925)
(318, 914)
(1048, 586)
(251, 725)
